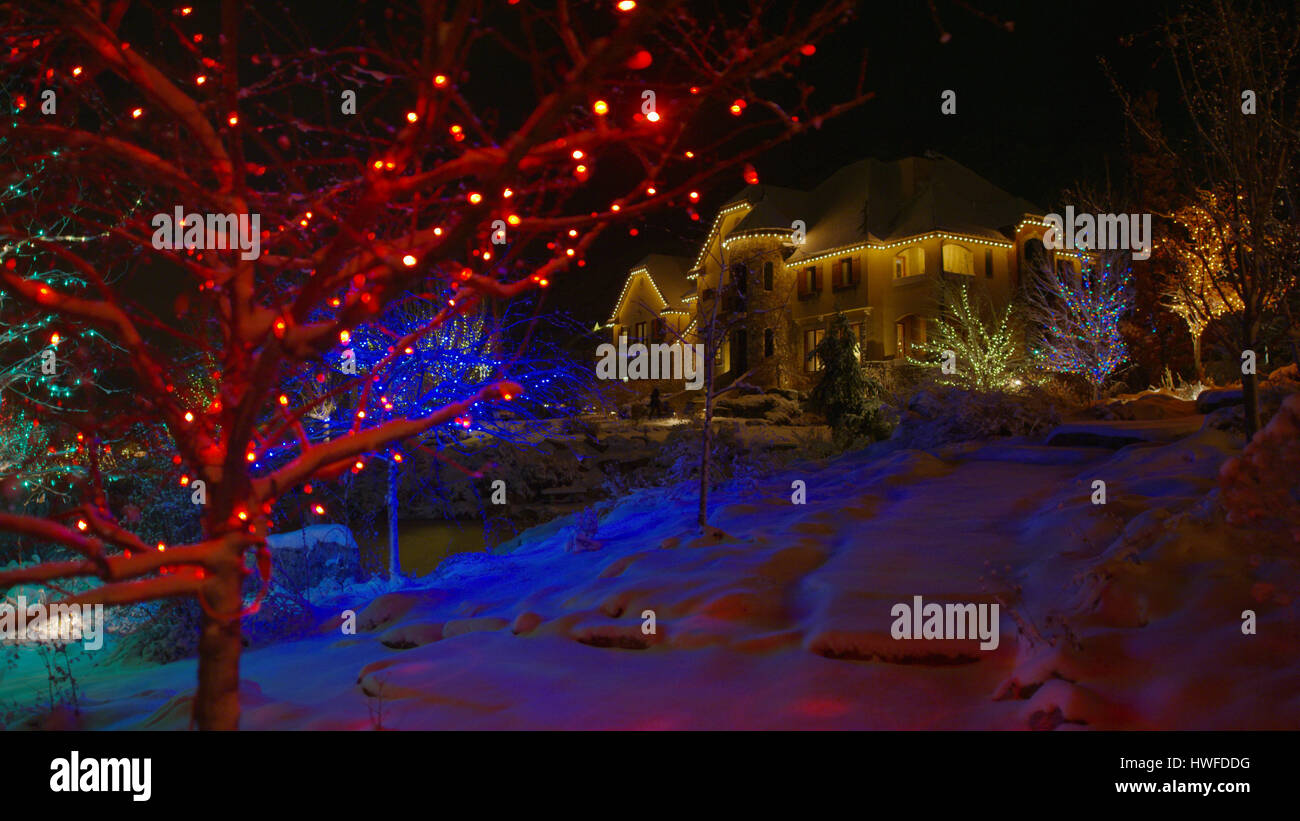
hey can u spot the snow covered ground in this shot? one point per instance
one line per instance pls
(1126, 614)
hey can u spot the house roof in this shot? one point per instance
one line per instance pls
(875, 201)
(667, 276)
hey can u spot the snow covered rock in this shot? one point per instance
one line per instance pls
(1119, 433)
(313, 560)
(1212, 400)
(1264, 482)
(772, 407)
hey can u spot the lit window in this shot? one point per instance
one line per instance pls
(845, 275)
(811, 339)
(909, 263)
(958, 260)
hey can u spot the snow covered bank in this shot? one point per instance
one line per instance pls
(1123, 614)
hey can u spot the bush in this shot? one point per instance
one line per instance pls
(846, 395)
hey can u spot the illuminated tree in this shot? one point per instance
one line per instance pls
(971, 342)
(1197, 292)
(430, 370)
(1236, 71)
(1075, 316)
(51, 366)
(370, 163)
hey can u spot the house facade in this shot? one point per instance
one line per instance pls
(872, 241)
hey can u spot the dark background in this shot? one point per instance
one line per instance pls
(1035, 111)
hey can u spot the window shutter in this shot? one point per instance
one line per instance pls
(803, 282)
(817, 279)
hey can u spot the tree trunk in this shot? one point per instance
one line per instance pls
(394, 552)
(1250, 381)
(1250, 398)
(1196, 358)
(216, 704)
(706, 437)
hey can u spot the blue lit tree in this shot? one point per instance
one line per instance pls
(413, 360)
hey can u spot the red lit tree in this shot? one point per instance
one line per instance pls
(392, 151)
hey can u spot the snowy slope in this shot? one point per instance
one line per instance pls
(1125, 614)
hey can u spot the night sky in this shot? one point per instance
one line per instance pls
(1035, 112)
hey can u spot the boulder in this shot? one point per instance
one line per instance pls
(1212, 400)
(317, 556)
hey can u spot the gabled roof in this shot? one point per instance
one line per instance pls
(771, 206)
(667, 275)
(881, 202)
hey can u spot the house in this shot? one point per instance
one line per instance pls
(872, 241)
